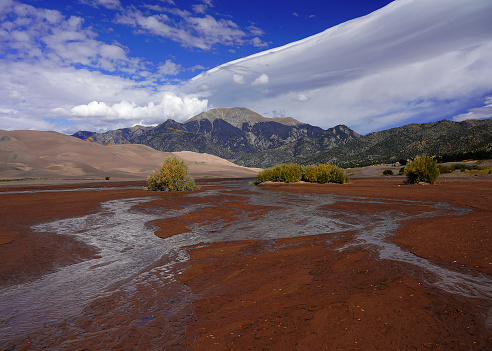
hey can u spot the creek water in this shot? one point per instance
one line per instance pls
(135, 273)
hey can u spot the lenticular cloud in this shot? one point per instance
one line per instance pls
(413, 59)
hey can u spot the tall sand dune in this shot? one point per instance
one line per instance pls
(36, 154)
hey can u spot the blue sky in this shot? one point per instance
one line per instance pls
(106, 64)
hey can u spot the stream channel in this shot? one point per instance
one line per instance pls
(131, 259)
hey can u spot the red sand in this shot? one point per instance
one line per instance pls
(306, 296)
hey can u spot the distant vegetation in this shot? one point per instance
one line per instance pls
(461, 156)
(388, 172)
(291, 173)
(422, 169)
(172, 175)
(463, 168)
(447, 140)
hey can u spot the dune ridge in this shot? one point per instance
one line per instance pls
(40, 154)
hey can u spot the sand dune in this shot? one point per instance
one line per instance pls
(35, 154)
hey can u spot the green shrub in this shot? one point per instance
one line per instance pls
(444, 169)
(324, 173)
(388, 172)
(107, 178)
(422, 169)
(401, 171)
(172, 175)
(292, 173)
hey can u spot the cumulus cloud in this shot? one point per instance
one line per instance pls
(199, 8)
(258, 42)
(238, 79)
(372, 72)
(37, 35)
(302, 98)
(477, 112)
(261, 80)
(169, 68)
(170, 106)
(43, 98)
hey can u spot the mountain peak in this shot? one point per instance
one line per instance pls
(237, 116)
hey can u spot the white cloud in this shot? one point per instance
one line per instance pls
(170, 106)
(238, 78)
(258, 42)
(45, 95)
(372, 72)
(169, 68)
(37, 35)
(199, 8)
(256, 31)
(477, 112)
(295, 14)
(302, 98)
(196, 67)
(110, 4)
(202, 32)
(261, 80)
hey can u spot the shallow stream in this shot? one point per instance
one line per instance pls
(136, 272)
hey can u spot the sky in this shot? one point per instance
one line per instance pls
(100, 65)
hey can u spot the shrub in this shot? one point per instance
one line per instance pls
(388, 172)
(324, 173)
(172, 175)
(422, 169)
(444, 169)
(107, 178)
(292, 173)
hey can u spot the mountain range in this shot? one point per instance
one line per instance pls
(249, 139)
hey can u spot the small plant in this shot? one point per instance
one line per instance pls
(172, 175)
(388, 172)
(444, 169)
(107, 178)
(422, 169)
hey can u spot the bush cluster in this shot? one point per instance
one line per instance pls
(291, 173)
(462, 167)
(422, 169)
(388, 172)
(172, 175)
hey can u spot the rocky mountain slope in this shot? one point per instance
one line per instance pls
(249, 139)
(436, 139)
(231, 133)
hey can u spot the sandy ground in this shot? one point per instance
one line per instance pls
(305, 294)
(41, 157)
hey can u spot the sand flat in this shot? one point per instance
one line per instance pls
(306, 293)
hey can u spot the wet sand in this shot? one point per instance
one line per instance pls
(298, 293)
